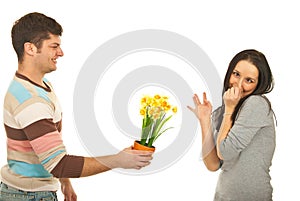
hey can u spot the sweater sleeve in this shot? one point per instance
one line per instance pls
(47, 143)
(252, 116)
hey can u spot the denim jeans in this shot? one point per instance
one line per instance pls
(8, 193)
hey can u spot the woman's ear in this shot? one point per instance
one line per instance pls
(29, 49)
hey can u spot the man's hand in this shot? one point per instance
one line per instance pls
(129, 158)
(67, 190)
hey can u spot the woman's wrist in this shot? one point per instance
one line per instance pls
(204, 121)
(228, 110)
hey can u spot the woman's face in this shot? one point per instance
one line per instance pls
(245, 77)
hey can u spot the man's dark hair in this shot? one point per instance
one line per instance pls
(34, 28)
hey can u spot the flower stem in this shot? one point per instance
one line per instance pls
(151, 140)
(143, 141)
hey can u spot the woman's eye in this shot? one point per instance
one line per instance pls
(235, 73)
(250, 80)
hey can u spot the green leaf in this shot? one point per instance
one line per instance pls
(162, 133)
(157, 132)
(163, 123)
(146, 130)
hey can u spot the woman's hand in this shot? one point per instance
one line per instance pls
(231, 98)
(201, 110)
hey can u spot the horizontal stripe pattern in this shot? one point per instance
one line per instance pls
(28, 183)
(48, 148)
(52, 156)
(32, 113)
(32, 120)
(28, 157)
(28, 170)
(34, 130)
(17, 145)
(46, 142)
(15, 134)
(40, 128)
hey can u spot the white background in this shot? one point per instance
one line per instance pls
(221, 28)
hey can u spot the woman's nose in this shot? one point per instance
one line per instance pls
(238, 84)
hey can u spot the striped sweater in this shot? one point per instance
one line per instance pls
(36, 155)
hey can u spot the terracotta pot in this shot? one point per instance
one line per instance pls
(138, 146)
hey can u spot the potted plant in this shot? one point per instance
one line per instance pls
(154, 111)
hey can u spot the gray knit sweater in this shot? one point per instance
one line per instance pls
(247, 151)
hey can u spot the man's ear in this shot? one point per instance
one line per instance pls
(29, 49)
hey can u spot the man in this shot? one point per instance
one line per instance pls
(36, 155)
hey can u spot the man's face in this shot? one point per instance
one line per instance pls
(46, 57)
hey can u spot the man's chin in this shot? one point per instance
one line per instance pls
(52, 69)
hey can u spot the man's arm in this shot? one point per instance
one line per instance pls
(48, 145)
(127, 159)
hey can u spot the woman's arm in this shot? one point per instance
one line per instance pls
(223, 132)
(209, 152)
(203, 112)
(231, 98)
(253, 116)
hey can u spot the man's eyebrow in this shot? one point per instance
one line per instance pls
(55, 43)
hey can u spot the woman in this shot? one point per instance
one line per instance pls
(239, 136)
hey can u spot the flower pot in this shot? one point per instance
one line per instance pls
(138, 146)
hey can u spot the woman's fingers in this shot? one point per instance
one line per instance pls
(232, 96)
(190, 108)
(205, 101)
(196, 103)
(204, 97)
(196, 99)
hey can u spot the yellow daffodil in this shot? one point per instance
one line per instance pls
(154, 110)
(174, 109)
(142, 112)
(157, 96)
